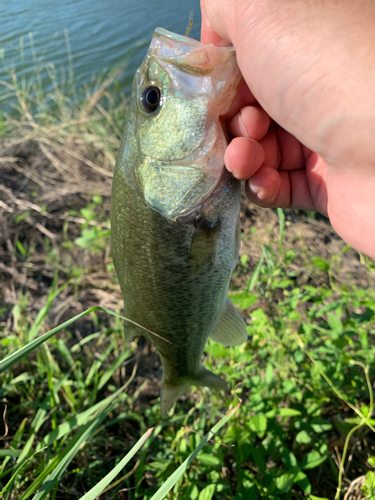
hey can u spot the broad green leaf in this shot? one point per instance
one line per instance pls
(303, 482)
(303, 437)
(282, 283)
(285, 481)
(159, 465)
(258, 423)
(329, 307)
(312, 460)
(269, 373)
(243, 300)
(288, 457)
(320, 425)
(283, 412)
(191, 492)
(370, 481)
(320, 263)
(294, 316)
(365, 410)
(335, 323)
(207, 493)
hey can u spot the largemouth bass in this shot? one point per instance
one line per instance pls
(175, 209)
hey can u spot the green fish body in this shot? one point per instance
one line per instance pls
(175, 209)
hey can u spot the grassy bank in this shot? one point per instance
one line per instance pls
(77, 405)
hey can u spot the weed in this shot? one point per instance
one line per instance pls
(82, 415)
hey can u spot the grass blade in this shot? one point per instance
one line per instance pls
(172, 480)
(98, 488)
(16, 356)
(280, 213)
(9, 483)
(10, 453)
(78, 420)
(62, 461)
(255, 273)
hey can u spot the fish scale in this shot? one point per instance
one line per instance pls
(176, 236)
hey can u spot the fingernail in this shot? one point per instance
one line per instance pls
(242, 126)
(255, 190)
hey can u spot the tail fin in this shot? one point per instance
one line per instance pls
(171, 392)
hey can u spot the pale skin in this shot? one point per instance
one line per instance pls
(303, 122)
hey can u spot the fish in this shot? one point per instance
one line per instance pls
(175, 209)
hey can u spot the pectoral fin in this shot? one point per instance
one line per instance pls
(204, 243)
(231, 328)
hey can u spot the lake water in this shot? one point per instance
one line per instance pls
(36, 34)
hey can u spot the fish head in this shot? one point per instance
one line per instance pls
(174, 143)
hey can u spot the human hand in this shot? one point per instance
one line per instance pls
(311, 67)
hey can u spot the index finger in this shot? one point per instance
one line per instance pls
(244, 96)
(208, 34)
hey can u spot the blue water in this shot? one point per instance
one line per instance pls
(79, 39)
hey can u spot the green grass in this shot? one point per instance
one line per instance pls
(300, 421)
(304, 380)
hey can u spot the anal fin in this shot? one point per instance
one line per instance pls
(230, 330)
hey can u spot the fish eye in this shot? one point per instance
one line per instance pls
(149, 98)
